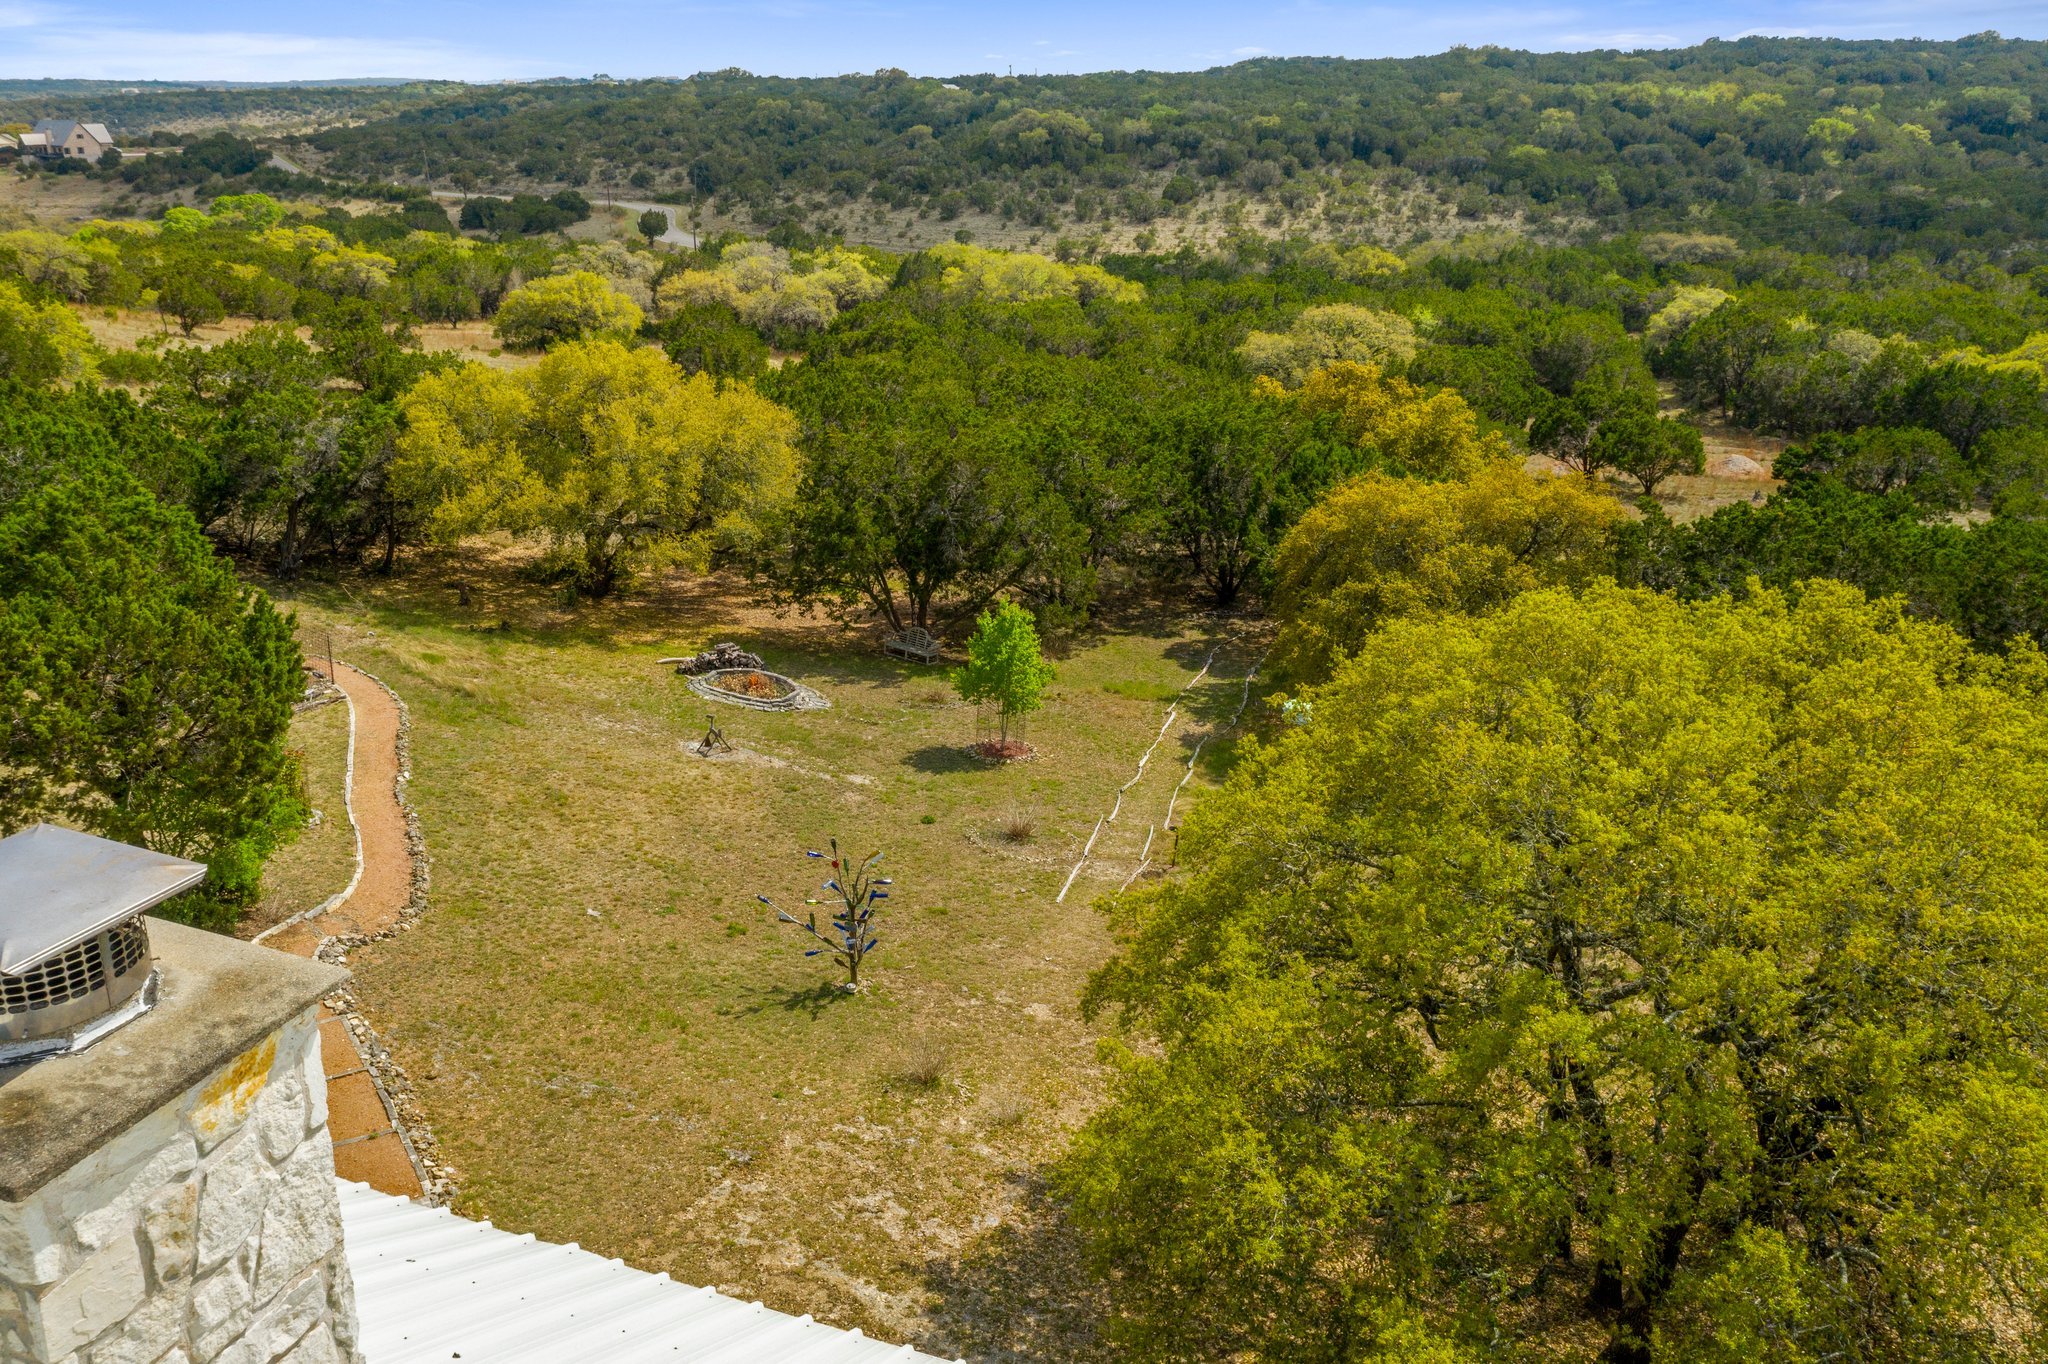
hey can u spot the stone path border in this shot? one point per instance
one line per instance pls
(355, 828)
(380, 1134)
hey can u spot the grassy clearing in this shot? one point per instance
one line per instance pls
(317, 863)
(127, 328)
(620, 1047)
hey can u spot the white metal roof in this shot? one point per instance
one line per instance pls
(434, 1286)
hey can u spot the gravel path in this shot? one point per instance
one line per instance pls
(367, 1144)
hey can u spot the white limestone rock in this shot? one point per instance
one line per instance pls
(231, 1202)
(317, 1348)
(301, 1222)
(98, 1293)
(150, 1332)
(221, 1308)
(281, 1114)
(285, 1322)
(170, 1233)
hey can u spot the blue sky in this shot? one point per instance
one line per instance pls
(476, 40)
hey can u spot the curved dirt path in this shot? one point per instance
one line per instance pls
(367, 1143)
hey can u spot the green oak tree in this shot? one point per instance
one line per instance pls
(1607, 973)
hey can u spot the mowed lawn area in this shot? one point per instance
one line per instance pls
(618, 1045)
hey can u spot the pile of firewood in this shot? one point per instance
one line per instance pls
(727, 655)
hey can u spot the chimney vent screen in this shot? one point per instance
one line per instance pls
(78, 973)
(74, 948)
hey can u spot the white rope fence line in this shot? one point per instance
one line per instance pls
(1242, 702)
(1067, 884)
(348, 804)
(1144, 861)
(1138, 776)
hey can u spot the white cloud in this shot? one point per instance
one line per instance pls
(89, 52)
(1251, 51)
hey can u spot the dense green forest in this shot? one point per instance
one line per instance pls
(1835, 145)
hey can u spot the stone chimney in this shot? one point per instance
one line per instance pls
(167, 1193)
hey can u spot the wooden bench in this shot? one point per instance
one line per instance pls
(915, 644)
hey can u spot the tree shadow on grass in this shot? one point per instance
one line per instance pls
(813, 1001)
(1020, 1295)
(939, 759)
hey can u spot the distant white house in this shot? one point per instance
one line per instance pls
(56, 137)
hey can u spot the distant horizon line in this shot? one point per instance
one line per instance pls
(603, 78)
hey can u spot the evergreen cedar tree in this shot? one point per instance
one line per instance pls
(145, 694)
(1671, 972)
(1004, 665)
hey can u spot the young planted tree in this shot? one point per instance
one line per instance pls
(851, 934)
(1005, 666)
(653, 222)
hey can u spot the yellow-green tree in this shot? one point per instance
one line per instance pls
(70, 267)
(564, 308)
(1005, 665)
(1606, 973)
(1429, 433)
(1326, 335)
(1354, 264)
(1379, 548)
(1022, 277)
(42, 343)
(611, 453)
(772, 290)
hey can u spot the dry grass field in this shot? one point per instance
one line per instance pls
(619, 1046)
(126, 328)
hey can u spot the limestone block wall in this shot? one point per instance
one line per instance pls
(206, 1233)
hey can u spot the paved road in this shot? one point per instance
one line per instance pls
(675, 236)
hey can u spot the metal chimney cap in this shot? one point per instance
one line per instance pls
(59, 887)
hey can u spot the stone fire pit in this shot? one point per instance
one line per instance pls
(757, 689)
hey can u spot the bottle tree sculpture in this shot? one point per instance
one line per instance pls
(851, 933)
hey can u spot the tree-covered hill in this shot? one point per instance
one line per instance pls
(134, 109)
(1858, 146)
